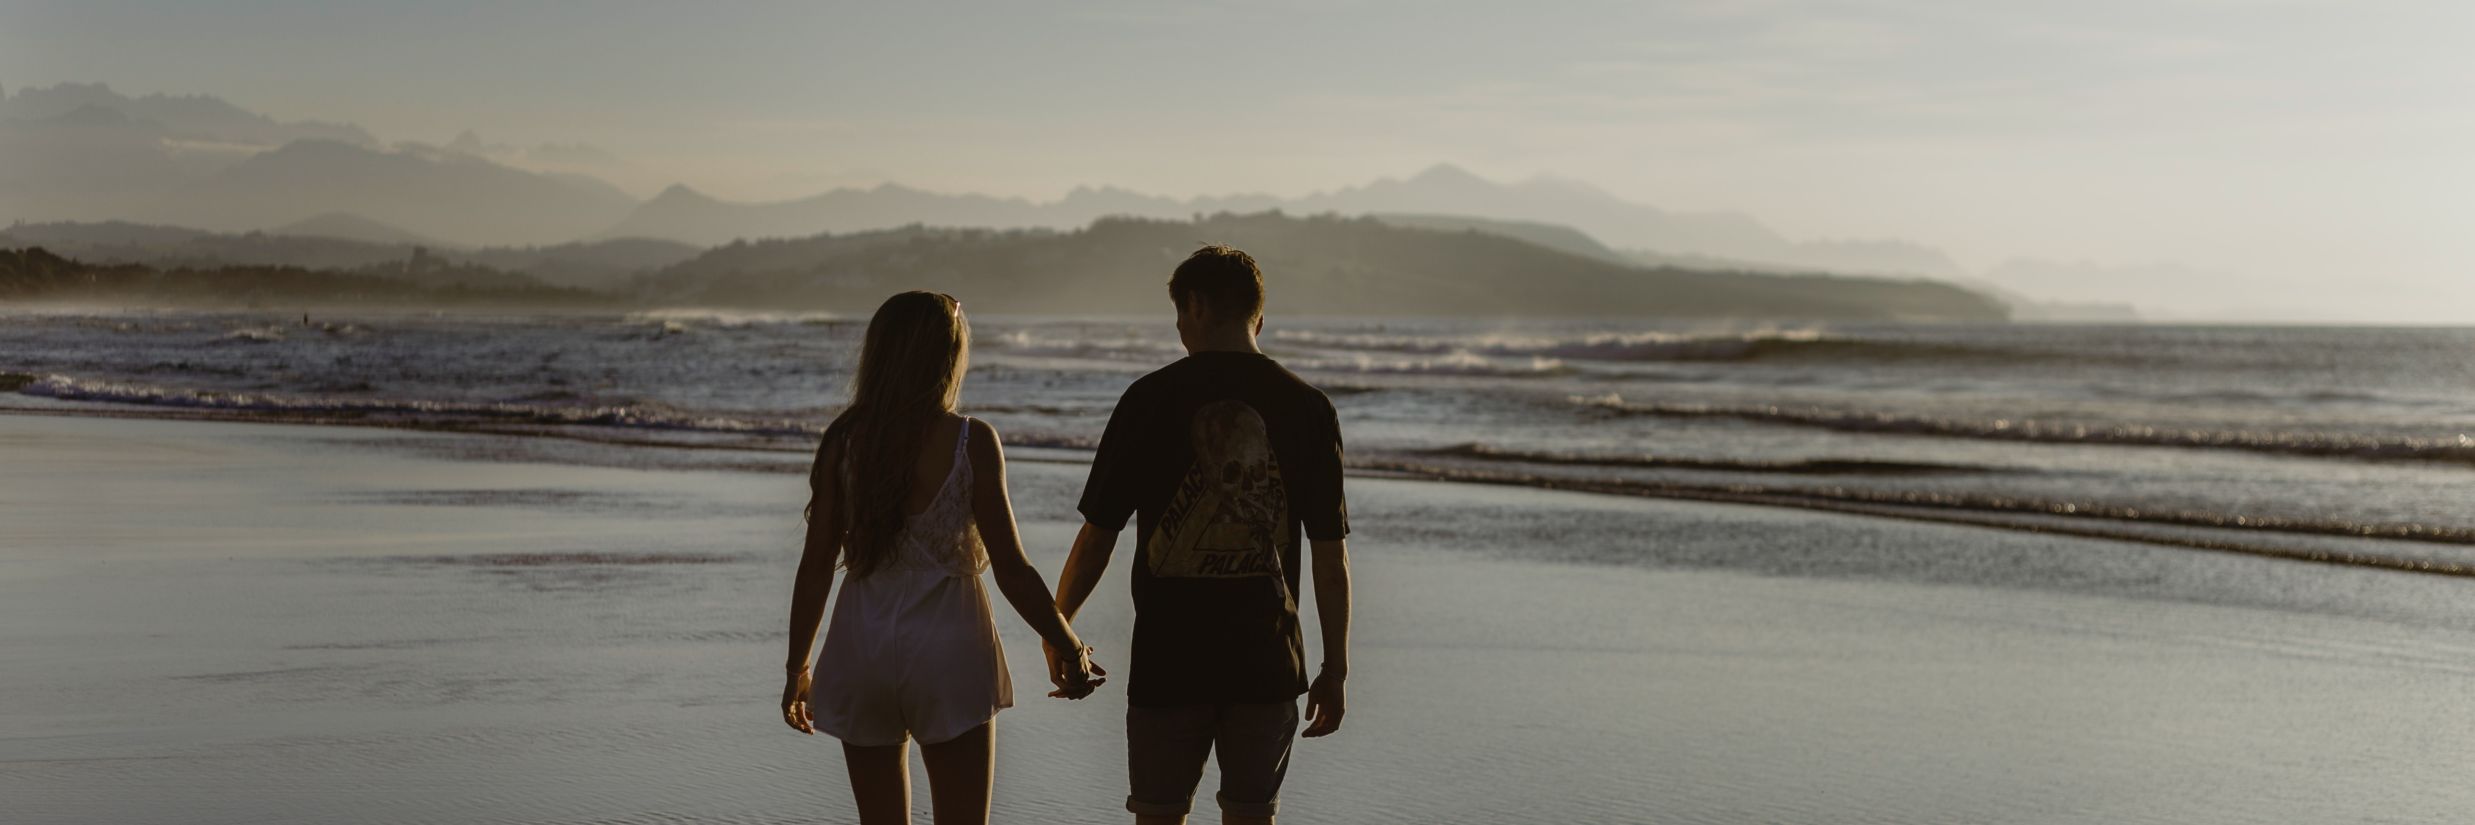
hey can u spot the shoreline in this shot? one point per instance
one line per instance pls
(2449, 553)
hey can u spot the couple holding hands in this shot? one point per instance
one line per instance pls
(1222, 459)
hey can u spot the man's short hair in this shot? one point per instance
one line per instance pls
(1223, 278)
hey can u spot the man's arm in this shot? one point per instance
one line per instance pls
(1084, 564)
(1109, 497)
(1324, 701)
(1326, 511)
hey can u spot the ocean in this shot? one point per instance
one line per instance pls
(1605, 573)
(2334, 444)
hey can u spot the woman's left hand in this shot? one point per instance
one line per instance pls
(795, 703)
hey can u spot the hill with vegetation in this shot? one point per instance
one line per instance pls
(1320, 265)
(586, 264)
(1551, 236)
(36, 276)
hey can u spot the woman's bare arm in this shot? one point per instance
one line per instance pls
(815, 581)
(993, 509)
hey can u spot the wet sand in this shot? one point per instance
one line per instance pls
(214, 622)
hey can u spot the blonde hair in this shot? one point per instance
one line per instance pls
(910, 373)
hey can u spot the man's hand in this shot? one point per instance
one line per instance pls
(795, 703)
(1324, 704)
(1073, 672)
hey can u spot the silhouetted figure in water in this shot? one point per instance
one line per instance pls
(910, 498)
(1221, 458)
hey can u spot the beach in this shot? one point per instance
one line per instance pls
(1740, 413)
(211, 621)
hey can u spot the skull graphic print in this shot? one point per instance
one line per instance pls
(1229, 517)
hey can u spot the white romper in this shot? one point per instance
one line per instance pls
(912, 650)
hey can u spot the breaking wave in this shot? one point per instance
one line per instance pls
(2457, 450)
(632, 416)
(2265, 534)
(2419, 548)
(1654, 346)
(256, 335)
(684, 318)
(1817, 466)
(1455, 363)
(1026, 343)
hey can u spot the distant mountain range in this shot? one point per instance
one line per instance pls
(85, 153)
(684, 214)
(434, 193)
(188, 118)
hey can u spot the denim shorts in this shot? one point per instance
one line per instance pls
(1166, 746)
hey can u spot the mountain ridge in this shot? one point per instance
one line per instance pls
(84, 152)
(198, 160)
(1322, 264)
(685, 214)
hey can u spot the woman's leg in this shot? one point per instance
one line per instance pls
(881, 782)
(960, 771)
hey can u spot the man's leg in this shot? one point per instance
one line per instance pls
(1165, 749)
(1253, 744)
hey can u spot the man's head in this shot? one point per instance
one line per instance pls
(1219, 295)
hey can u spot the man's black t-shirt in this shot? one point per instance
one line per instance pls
(1223, 456)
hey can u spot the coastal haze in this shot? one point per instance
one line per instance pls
(1779, 412)
(2197, 160)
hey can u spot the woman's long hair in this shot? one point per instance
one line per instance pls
(910, 372)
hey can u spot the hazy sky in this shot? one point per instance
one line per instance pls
(2288, 143)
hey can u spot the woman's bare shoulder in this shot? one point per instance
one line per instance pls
(985, 445)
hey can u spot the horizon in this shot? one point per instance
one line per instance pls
(2094, 152)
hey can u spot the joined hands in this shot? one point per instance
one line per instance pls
(1073, 671)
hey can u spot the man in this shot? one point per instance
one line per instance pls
(1221, 458)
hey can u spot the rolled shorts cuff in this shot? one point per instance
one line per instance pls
(1141, 808)
(1267, 808)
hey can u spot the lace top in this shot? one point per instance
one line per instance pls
(944, 537)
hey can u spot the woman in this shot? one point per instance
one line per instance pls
(910, 498)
